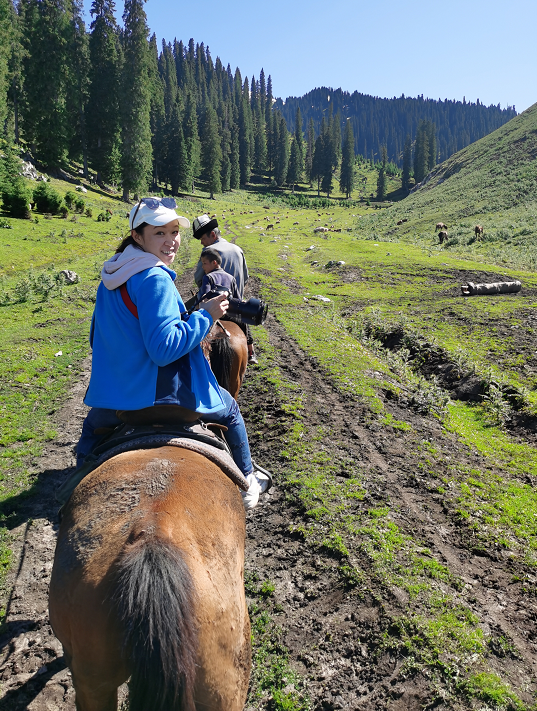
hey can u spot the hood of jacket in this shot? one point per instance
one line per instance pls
(119, 268)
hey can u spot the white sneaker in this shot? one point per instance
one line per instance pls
(250, 498)
(263, 476)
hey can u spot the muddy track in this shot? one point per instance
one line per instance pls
(332, 633)
(346, 672)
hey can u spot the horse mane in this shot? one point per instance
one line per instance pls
(156, 608)
(218, 350)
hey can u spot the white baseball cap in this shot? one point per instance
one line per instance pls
(155, 211)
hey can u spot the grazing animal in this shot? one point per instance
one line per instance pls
(227, 351)
(440, 226)
(442, 236)
(400, 222)
(478, 231)
(147, 583)
(270, 227)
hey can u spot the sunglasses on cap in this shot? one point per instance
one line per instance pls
(153, 203)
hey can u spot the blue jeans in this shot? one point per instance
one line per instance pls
(230, 416)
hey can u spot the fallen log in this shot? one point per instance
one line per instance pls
(501, 287)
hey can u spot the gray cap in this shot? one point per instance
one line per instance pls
(203, 224)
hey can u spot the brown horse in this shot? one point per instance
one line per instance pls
(225, 347)
(147, 584)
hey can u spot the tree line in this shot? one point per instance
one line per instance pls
(377, 121)
(139, 115)
(142, 115)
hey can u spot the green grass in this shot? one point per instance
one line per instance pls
(401, 275)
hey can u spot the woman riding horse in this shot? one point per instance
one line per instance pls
(147, 583)
(144, 353)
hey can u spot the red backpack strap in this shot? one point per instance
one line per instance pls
(129, 303)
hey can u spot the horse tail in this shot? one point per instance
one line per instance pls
(154, 599)
(222, 355)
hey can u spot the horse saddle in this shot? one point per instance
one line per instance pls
(153, 427)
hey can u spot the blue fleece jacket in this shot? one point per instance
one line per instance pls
(153, 359)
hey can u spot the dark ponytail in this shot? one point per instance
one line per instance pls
(129, 240)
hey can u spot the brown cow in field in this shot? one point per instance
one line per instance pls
(442, 236)
(478, 231)
(440, 226)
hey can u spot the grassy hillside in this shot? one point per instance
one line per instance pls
(496, 173)
(493, 183)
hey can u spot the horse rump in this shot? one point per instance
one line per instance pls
(155, 603)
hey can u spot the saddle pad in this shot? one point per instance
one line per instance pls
(218, 457)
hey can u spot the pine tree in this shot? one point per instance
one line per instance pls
(157, 111)
(346, 178)
(260, 139)
(294, 171)
(382, 180)
(193, 144)
(245, 139)
(79, 61)
(47, 80)
(225, 171)
(103, 120)
(317, 160)
(281, 163)
(136, 158)
(235, 174)
(407, 162)
(177, 168)
(299, 140)
(329, 154)
(8, 37)
(421, 152)
(431, 138)
(335, 136)
(15, 68)
(309, 151)
(211, 152)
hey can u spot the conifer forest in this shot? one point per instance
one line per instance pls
(140, 114)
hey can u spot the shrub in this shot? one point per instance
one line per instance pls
(16, 197)
(64, 211)
(80, 205)
(47, 199)
(89, 212)
(70, 199)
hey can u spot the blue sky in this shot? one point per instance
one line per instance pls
(478, 49)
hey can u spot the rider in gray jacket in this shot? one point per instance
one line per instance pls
(233, 262)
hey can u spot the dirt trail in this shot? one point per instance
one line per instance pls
(332, 633)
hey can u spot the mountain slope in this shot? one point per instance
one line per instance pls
(497, 172)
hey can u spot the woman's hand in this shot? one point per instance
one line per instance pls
(217, 307)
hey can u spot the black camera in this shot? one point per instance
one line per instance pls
(252, 312)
